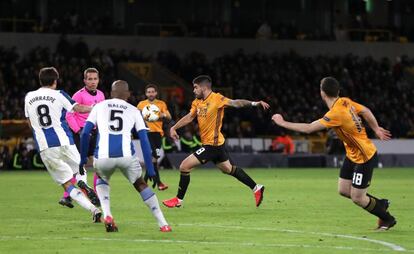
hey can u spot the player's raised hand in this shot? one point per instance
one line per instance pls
(173, 134)
(383, 134)
(263, 104)
(278, 119)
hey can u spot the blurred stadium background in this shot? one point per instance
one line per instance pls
(271, 50)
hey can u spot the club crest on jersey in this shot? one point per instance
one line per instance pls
(326, 118)
(202, 112)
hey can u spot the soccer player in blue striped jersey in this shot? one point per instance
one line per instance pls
(115, 120)
(45, 109)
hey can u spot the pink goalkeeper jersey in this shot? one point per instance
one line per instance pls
(77, 120)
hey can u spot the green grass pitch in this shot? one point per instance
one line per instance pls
(301, 213)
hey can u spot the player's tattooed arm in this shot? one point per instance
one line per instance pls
(240, 103)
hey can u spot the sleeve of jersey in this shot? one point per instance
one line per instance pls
(139, 122)
(139, 106)
(358, 107)
(93, 116)
(146, 151)
(331, 119)
(67, 101)
(193, 110)
(224, 101)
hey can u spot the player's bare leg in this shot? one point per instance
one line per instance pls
(185, 169)
(375, 206)
(151, 200)
(344, 187)
(227, 168)
(82, 200)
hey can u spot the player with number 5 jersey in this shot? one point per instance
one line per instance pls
(115, 120)
(361, 154)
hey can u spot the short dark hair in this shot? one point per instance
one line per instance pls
(47, 76)
(330, 86)
(90, 70)
(151, 86)
(202, 78)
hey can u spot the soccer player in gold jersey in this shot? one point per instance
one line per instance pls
(361, 154)
(156, 131)
(208, 108)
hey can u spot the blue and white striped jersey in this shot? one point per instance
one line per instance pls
(115, 120)
(46, 109)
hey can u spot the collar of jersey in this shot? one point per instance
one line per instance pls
(208, 96)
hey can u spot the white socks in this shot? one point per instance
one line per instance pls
(103, 189)
(80, 198)
(151, 200)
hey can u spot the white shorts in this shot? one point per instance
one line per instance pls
(62, 162)
(129, 166)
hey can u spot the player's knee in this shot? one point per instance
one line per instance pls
(140, 184)
(228, 170)
(184, 168)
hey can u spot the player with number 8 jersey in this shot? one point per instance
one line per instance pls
(46, 109)
(208, 108)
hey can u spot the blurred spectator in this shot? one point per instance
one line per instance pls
(4, 157)
(340, 33)
(283, 144)
(264, 31)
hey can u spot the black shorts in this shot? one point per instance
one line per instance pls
(155, 140)
(92, 141)
(360, 174)
(216, 154)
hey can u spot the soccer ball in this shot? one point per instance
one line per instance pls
(151, 113)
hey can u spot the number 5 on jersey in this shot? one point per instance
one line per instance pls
(115, 116)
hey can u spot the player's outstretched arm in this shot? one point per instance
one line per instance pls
(369, 117)
(240, 103)
(181, 123)
(82, 108)
(299, 127)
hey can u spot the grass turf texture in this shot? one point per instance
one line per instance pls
(219, 216)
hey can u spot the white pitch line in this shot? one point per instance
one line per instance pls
(245, 244)
(393, 246)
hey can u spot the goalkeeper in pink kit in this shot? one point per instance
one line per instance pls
(88, 95)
